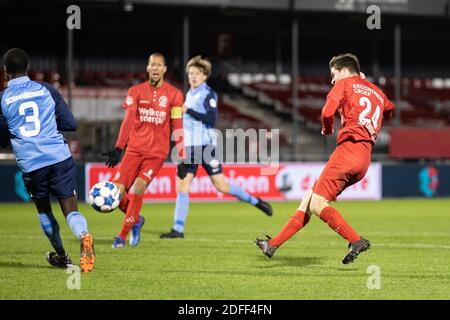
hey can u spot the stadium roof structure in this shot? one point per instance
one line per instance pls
(403, 7)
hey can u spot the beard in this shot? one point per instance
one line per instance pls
(155, 82)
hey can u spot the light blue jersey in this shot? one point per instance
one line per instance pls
(34, 112)
(200, 118)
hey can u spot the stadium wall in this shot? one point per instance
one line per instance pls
(414, 180)
(289, 183)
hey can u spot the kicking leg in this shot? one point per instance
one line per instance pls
(135, 198)
(295, 223)
(223, 186)
(123, 196)
(78, 224)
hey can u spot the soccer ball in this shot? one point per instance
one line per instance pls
(104, 197)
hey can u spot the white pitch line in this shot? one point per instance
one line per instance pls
(412, 246)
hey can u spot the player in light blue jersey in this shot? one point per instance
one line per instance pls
(32, 114)
(199, 118)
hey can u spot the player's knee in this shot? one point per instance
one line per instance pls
(122, 189)
(68, 205)
(317, 204)
(183, 186)
(222, 186)
(123, 205)
(139, 186)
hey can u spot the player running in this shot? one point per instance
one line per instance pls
(199, 118)
(361, 106)
(31, 115)
(152, 109)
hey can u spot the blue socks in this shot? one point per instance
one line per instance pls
(239, 193)
(51, 229)
(77, 224)
(181, 211)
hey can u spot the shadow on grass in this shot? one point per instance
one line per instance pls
(345, 269)
(292, 262)
(20, 265)
(104, 241)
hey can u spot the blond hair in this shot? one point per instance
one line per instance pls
(202, 64)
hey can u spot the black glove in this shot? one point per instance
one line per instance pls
(113, 157)
(182, 169)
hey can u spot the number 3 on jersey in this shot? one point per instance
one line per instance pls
(33, 118)
(373, 122)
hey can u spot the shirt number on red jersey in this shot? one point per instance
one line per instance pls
(370, 123)
(365, 102)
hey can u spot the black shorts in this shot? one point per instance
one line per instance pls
(59, 179)
(204, 155)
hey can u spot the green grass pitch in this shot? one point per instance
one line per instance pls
(218, 258)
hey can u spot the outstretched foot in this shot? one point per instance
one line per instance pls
(266, 248)
(264, 207)
(355, 248)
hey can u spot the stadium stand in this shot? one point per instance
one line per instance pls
(264, 101)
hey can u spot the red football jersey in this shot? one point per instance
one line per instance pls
(361, 106)
(150, 114)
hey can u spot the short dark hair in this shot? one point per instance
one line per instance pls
(346, 60)
(158, 54)
(16, 61)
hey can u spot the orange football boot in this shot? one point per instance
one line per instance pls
(87, 253)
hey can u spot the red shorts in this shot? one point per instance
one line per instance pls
(347, 165)
(135, 165)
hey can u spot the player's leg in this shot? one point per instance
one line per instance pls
(320, 207)
(182, 204)
(222, 185)
(132, 216)
(63, 186)
(357, 244)
(295, 223)
(123, 196)
(185, 174)
(347, 165)
(214, 169)
(36, 183)
(76, 221)
(124, 178)
(212, 166)
(125, 175)
(148, 170)
(49, 224)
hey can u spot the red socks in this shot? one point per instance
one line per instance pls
(295, 223)
(336, 222)
(132, 215)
